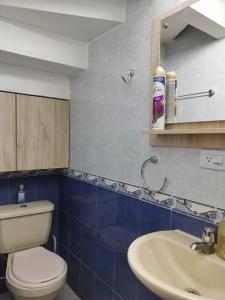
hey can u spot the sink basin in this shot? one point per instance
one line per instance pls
(165, 264)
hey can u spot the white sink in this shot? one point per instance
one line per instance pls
(165, 264)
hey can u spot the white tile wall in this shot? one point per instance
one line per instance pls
(107, 116)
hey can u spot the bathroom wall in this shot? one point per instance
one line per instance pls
(108, 116)
(98, 220)
(40, 187)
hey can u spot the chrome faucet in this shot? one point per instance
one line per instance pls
(207, 245)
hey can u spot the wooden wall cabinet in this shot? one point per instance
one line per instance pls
(34, 132)
(7, 132)
(42, 133)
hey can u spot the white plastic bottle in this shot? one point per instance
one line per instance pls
(21, 195)
(159, 93)
(171, 97)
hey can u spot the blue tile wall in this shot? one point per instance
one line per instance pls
(188, 224)
(42, 187)
(97, 226)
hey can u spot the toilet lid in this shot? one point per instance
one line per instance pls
(37, 265)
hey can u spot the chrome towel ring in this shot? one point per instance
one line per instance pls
(153, 159)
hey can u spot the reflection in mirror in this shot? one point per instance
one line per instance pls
(193, 45)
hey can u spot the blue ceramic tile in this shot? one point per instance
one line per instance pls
(104, 259)
(89, 204)
(117, 297)
(55, 223)
(64, 225)
(87, 284)
(126, 284)
(4, 192)
(106, 210)
(49, 245)
(88, 238)
(75, 238)
(64, 253)
(47, 188)
(74, 267)
(64, 195)
(127, 219)
(3, 287)
(102, 292)
(154, 218)
(75, 190)
(188, 224)
(2, 266)
(145, 294)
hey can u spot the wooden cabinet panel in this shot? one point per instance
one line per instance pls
(7, 132)
(42, 133)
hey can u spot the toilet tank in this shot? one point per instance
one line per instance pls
(25, 227)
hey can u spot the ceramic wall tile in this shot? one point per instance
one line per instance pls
(115, 213)
(109, 104)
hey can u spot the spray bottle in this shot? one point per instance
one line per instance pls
(159, 93)
(171, 97)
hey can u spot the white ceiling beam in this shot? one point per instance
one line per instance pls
(31, 81)
(99, 9)
(51, 49)
(54, 35)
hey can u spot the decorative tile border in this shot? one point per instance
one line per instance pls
(15, 174)
(188, 207)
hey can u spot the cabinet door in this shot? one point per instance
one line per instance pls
(7, 132)
(42, 133)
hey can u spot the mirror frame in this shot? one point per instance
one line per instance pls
(210, 134)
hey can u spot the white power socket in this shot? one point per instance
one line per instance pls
(211, 159)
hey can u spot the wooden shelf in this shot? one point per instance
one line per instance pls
(184, 131)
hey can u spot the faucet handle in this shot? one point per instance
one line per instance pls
(208, 235)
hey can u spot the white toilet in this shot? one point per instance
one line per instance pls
(32, 271)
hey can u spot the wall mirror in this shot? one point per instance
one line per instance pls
(191, 42)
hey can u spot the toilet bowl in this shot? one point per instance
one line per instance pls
(35, 273)
(32, 273)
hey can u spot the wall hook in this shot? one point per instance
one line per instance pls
(129, 75)
(153, 160)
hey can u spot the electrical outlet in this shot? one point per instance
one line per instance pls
(211, 159)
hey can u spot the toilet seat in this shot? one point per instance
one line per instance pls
(36, 265)
(35, 268)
